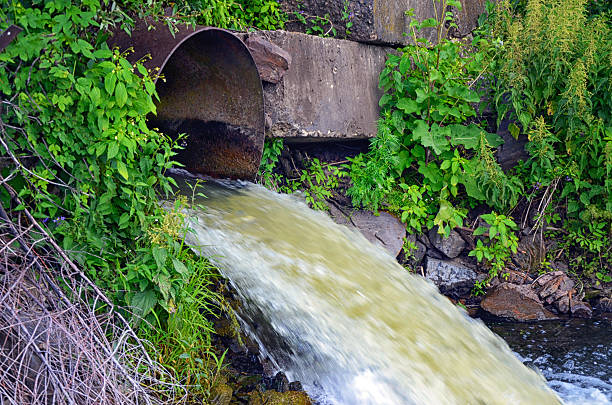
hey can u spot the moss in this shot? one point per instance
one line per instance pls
(279, 398)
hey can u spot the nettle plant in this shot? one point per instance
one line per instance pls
(428, 134)
(554, 82)
(496, 245)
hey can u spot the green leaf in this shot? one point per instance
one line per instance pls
(109, 83)
(120, 94)
(466, 135)
(514, 130)
(481, 230)
(180, 267)
(102, 54)
(113, 149)
(122, 170)
(405, 64)
(436, 138)
(144, 302)
(160, 255)
(409, 106)
(94, 94)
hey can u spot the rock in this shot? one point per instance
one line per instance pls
(330, 90)
(563, 305)
(512, 150)
(380, 21)
(221, 394)
(451, 247)
(517, 302)
(605, 305)
(280, 382)
(295, 386)
(451, 277)
(580, 309)
(271, 60)
(383, 229)
(278, 398)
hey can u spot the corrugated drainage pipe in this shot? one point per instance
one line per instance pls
(209, 89)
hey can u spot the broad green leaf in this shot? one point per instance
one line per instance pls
(122, 170)
(466, 135)
(120, 94)
(109, 83)
(409, 106)
(143, 302)
(436, 138)
(180, 267)
(160, 255)
(113, 149)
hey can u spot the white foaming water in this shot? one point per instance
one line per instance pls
(342, 317)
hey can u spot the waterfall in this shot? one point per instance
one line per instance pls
(343, 317)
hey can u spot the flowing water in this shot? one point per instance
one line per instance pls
(342, 317)
(574, 355)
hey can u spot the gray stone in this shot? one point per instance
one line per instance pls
(330, 90)
(379, 21)
(517, 302)
(271, 60)
(451, 247)
(451, 277)
(383, 229)
(580, 309)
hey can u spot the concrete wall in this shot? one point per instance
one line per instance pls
(329, 91)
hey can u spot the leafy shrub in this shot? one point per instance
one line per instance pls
(499, 242)
(428, 127)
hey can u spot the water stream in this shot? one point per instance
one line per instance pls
(342, 317)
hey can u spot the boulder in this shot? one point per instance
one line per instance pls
(451, 247)
(221, 394)
(516, 302)
(330, 90)
(580, 309)
(383, 229)
(379, 21)
(451, 277)
(271, 60)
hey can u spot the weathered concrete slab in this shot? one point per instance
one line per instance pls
(378, 21)
(330, 90)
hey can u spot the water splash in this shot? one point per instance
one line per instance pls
(342, 317)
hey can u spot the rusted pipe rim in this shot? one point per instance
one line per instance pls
(211, 91)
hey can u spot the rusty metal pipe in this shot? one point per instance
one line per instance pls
(209, 89)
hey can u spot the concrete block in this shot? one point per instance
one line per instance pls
(330, 90)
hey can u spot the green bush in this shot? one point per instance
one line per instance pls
(428, 134)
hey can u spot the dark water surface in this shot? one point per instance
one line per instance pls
(575, 356)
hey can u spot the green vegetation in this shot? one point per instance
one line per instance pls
(545, 66)
(500, 241)
(77, 153)
(316, 181)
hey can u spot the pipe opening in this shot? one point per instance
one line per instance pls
(209, 89)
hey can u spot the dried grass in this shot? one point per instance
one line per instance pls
(61, 339)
